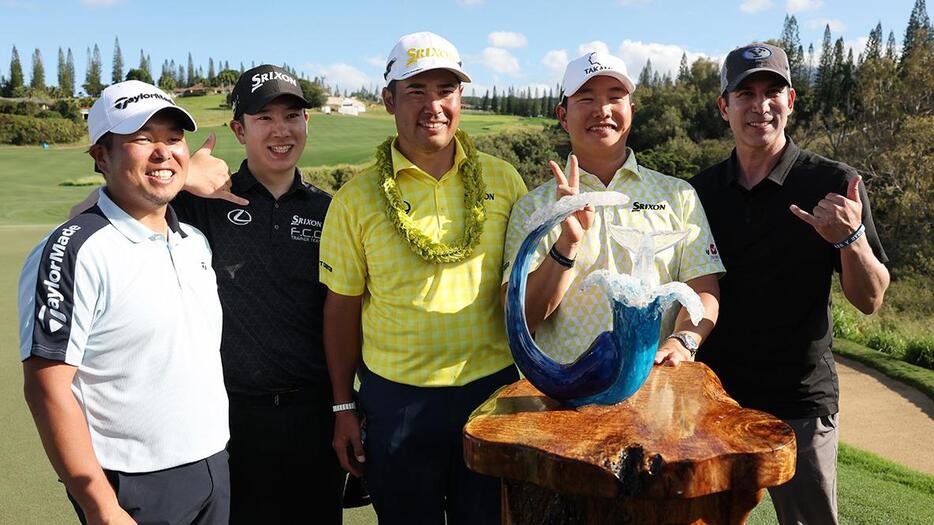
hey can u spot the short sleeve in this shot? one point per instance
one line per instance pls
(516, 233)
(342, 264)
(58, 294)
(699, 255)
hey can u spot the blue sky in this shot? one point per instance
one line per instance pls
(502, 42)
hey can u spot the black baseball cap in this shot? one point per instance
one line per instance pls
(753, 58)
(259, 86)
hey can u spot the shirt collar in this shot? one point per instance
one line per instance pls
(779, 172)
(401, 163)
(246, 181)
(131, 228)
(592, 182)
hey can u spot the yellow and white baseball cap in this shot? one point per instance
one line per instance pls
(420, 52)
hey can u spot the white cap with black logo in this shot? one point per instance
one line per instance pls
(420, 52)
(125, 107)
(595, 64)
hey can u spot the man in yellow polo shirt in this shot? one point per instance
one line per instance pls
(596, 110)
(412, 251)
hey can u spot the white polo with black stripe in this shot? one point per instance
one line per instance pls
(138, 314)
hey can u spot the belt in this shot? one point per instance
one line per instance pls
(295, 396)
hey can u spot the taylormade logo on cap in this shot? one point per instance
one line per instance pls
(125, 107)
(123, 102)
(419, 52)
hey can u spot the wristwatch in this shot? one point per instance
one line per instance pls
(343, 407)
(687, 340)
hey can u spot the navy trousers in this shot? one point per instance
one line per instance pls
(193, 494)
(414, 468)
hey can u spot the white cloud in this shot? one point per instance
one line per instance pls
(590, 47)
(343, 76)
(666, 58)
(836, 26)
(507, 39)
(556, 60)
(99, 3)
(501, 61)
(754, 6)
(797, 6)
(376, 61)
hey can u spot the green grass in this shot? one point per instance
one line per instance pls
(916, 376)
(31, 178)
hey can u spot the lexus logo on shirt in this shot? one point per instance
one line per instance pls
(239, 217)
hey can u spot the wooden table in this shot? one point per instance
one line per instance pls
(678, 451)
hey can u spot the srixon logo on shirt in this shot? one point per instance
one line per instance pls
(306, 230)
(50, 313)
(642, 206)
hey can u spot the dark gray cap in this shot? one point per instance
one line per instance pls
(259, 86)
(746, 60)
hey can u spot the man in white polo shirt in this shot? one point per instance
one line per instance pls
(596, 110)
(120, 332)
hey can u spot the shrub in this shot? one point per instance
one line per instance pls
(920, 351)
(527, 150)
(330, 178)
(18, 129)
(887, 341)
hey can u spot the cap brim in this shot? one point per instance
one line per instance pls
(459, 73)
(257, 104)
(630, 86)
(742, 76)
(134, 123)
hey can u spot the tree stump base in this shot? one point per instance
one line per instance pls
(678, 451)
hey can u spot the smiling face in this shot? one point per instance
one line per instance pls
(758, 111)
(598, 118)
(146, 169)
(274, 137)
(427, 110)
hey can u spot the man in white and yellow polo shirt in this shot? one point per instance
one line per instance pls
(596, 111)
(412, 251)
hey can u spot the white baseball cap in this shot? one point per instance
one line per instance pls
(419, 52)
(125, 107)
(595, 64)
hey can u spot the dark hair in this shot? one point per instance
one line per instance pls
(392, 87)
(107, 141)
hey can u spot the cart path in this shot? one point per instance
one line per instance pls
(883, 416)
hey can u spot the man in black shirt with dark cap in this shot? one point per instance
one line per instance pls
(264, 233)
(785, 219)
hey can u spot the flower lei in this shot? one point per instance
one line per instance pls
(474, 192)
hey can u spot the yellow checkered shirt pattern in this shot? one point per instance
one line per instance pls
(672, 206)
(424, 324)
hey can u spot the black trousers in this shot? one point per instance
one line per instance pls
(414, 468)
(192, 494)
(282, 466)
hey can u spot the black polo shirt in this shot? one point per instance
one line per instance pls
(771, 345)
(266, 261)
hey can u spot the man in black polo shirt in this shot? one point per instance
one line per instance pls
(264, 234)
(785, 219)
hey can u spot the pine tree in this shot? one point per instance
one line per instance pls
(684, 73)
(62, 69)
(485, 103)
(646, 76)
(824, 79)
(68, 85)
(890, 50)
(117, 73)
(190, 79)
(918, 31)
(38, 71)
(211, 73)
(16, 81)
(494, 102)
(92, 80)
(873, 49)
